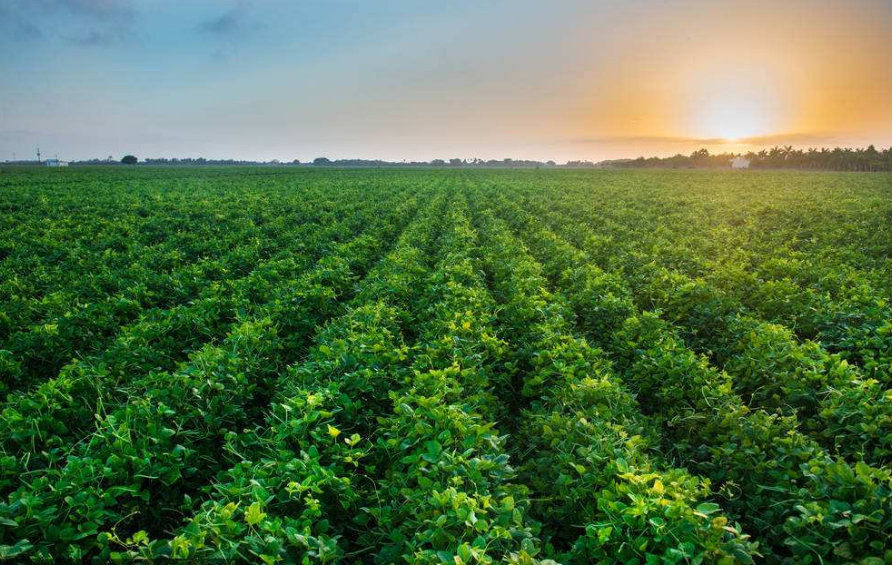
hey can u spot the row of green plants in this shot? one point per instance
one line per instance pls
(448, 492)
(151, 452)
(787, 274)
(294, 487)
(770, 368)
(103, 290)
(355, 366)
(421, 469)
(40, 425)
(792, 496)
(602, 496)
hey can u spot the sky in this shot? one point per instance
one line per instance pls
(418, 80)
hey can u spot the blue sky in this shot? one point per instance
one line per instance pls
(264, 79)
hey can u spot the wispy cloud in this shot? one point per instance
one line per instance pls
(25, 31)
(93, 38)
(98, 10)
(105, 10)
(228, 30)
(80, 22)
(666, 139)
(231, 22)
(791, 139)
(804, 138)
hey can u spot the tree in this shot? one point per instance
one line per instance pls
(321, 161)
(129, 160)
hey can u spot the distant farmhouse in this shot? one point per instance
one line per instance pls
(740, 163)
(55, 163)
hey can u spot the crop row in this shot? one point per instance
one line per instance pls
(835, 403)
(790, 494)
(41, 424)
(420, 449)
(459, 367)
(819, 295)
(161, 440)
(589, 453)
(100, 294)
(288, 494)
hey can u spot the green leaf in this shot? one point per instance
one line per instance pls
(21, 546)
(708, 508)
(464, 552)
(254, 514)
(508, 503)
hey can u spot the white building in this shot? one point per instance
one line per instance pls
(55, 163)
(740, 163)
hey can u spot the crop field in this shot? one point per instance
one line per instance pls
(447, 366)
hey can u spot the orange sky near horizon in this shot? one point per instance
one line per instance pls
(736, 80)
(403, 80)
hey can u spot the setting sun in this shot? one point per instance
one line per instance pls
(736, 108)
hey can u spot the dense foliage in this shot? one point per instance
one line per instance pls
(868, 159)
(454, 366)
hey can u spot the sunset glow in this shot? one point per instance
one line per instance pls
(396, 80)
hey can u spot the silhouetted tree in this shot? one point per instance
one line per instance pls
(836, 159)
(129, 160)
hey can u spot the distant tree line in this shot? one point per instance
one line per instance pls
(836, 159)
(824, 159)
(326, 162)
(454, 162)
(216, 162)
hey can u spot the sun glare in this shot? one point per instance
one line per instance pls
(733, 116)
(733, 111)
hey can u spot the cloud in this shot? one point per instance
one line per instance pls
(804, 138)
(80, 22)
(645, 139)
(92, 38)
(230, 22)
(103, 10)
(228, 30)
(790, 139)
(25, 31)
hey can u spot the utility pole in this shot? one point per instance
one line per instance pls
(38, 155)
